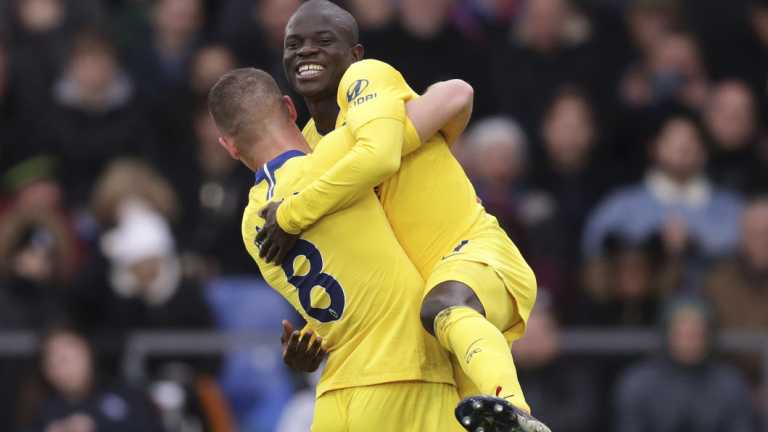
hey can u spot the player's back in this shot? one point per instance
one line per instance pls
(349, 278)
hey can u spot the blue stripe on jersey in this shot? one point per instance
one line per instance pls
(273, 165)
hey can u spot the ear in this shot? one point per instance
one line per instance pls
(291, 108)
(357, 52)
(229, 145)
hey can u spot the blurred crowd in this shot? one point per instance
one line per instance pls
(621, 143)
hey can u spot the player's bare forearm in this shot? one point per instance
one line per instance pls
(446, 107)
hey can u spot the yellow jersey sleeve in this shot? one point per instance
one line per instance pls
(366, 83)
(374, 157)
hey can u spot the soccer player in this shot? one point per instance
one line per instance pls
(479, 288)
(347, 275)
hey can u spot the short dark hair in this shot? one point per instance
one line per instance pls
(343, 18)
(242, 99)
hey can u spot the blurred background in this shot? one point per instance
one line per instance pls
(621, 143)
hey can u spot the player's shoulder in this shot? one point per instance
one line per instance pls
(367, 70)
(256, 200)
(251, 217)
(373, 65)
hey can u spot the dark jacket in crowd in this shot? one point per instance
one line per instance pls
(85, 140)
(111, 409)
(661, 396)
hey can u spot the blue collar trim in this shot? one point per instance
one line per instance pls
(275, 164)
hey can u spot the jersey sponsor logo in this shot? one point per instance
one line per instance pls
(356, 89)
(355, 92)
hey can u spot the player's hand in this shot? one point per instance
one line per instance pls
(275, 243)
(298, 353)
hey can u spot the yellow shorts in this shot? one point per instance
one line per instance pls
(506, 286)
(409, 406)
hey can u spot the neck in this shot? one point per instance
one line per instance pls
(278, 143)
(324, 111)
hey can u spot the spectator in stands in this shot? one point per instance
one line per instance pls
(731, 122)
(140, 286)
(495, 153)
(649, 21)
(378, 27)
(174, 158)
(564, 393)
(685, 388)
(79, 401)
(95, 116)
(626, 285)
(40, 33)
(427, 46)
(37, 261)
(672, 71)
(123, 182)
(218, 194)
(547, 50)
(31, 188)
(571, 174)
(675, 188)
(208, 65)
(146, 286)
(372, 14)
(254, 31)
(738, 287)
(127, 179)
(161, 64)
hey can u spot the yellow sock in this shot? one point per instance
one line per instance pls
(481, 351)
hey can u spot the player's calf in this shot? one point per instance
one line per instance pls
(494, 414)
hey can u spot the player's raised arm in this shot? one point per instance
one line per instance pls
(376, 118)
(446, 107)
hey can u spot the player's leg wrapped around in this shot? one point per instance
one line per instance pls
(482, 351)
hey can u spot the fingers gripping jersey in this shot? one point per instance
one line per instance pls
(346, 277)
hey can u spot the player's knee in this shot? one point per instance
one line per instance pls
(446, 295)
(430, 307)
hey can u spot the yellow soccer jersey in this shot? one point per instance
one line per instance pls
(346, 277)
(429, 202)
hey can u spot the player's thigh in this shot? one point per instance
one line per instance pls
(330, 415)
(499, 305)
(404, 407)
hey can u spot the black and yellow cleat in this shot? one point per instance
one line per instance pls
(494, 414)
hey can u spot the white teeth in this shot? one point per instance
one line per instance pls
(310, 69)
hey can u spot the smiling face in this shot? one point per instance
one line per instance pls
(319, 47)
